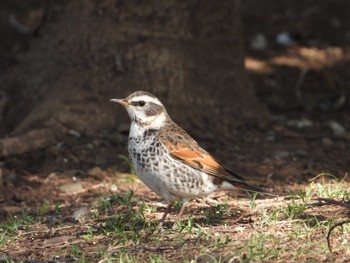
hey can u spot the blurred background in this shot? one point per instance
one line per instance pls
(264, 85)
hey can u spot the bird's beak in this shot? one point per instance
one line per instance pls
(122, 102)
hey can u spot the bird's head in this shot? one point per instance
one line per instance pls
(144, 109)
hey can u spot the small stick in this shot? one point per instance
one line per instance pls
(330, 232)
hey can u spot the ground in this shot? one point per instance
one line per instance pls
(76, 200)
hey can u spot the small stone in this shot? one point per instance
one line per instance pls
(209, 258)
(114, 188)
(90, 146)
(280, 154)
(118, 63)
(327, 141)
(56, 240)
(285, 39)
(300, 124)
(74, 173)
(53, 221)
(49, 177)
(270, 138)
(300, 153)
(95, 172)
(81, 215)
(345, 135)
(278, 128)
(98, 173)
(72, 188)
(59, 145)
(74, 133)
(259, 42)
(336, 127)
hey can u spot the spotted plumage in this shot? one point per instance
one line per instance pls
(167, 159)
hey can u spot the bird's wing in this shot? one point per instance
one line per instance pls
(185, 149)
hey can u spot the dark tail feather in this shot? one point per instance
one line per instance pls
(240, 182)
(251, 188)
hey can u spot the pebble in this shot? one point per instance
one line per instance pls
(209, 258)
(96, 171)
(280, 154)
(336, 127)
(327, 141)
(270, 138)
(90, 146)
(49, 177)
(74, 173)
(300, 153)
(300, 124)
(74, 133)
(71, 188)
(81, 215)
(53, 221)
(59, 145)
(259, 42)
(57, 240)
(119, 65)
(285, 39)
(114, 188)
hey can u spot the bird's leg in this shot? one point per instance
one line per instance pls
(160, 224)
(182, 210)
(165, 214)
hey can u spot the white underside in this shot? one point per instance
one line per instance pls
(168, 183)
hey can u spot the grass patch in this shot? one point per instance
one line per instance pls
(9, 229)
(124, 229)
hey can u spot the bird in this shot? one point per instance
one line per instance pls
(168, 160)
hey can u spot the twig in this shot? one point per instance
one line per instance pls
(328, 201)
(330, 232)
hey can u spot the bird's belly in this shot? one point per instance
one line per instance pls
(169, 178)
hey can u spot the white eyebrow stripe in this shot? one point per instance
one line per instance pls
(147, 99)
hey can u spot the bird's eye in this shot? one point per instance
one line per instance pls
(140, 103)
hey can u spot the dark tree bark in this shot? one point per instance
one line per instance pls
(189, 53)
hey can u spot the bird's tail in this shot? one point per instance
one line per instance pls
(251, 188)
(239, 182)
(233, 180)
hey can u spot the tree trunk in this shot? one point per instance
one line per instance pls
(189, 53)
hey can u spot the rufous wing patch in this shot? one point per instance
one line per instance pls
(197, 159)
(185, 149)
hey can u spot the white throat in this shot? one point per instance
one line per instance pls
(137, 130)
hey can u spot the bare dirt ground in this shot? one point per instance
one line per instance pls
(305, 87)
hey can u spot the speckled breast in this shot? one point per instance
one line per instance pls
(166, 176)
